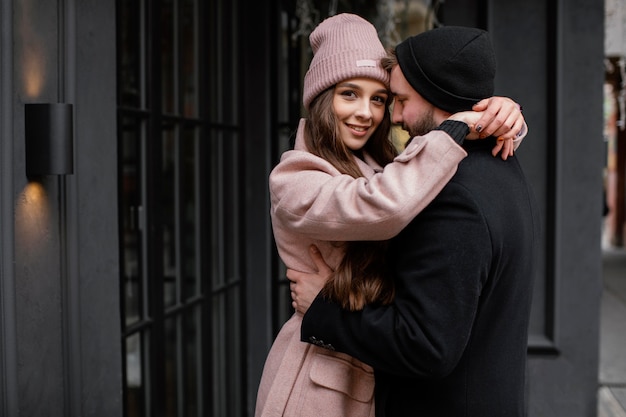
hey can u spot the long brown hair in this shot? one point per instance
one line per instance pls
(361, 278)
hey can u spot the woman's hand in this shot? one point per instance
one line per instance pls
(501, 117)
(495, 116)
(304, 286)
(470, 118)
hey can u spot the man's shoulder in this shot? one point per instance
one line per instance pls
(481, 166)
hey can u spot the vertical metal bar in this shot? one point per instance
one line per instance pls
(176, 56)
(68, 229)
(204, 206)
(156, 393)
(554, 159)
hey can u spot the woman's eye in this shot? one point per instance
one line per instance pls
(380, 99)
(348, 93)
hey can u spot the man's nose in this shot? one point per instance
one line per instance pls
(396, 115)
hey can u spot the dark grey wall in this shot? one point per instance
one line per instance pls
(39, 283)
(550, 59)
(8, 348)
(61, 348)
(567, 382)
(95, 210)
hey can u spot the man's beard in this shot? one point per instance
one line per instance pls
(422, 125)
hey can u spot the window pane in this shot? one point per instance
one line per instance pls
(217, 231)
(232, 67)
(227, 383)
(129, 53)
(218, 358)
(230, 182)
(132, 216)
(193, 363)
(168, 192)
(190, 215)
(225, 204)
(223, 84)
(168, 56)
(135, 390)
(172, 367)
(233, 351)
(189, 60)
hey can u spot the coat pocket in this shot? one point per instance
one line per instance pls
(345, 375)
(332, 384)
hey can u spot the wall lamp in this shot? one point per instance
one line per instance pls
(49, 130)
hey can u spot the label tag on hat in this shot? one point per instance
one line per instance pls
(365, 63)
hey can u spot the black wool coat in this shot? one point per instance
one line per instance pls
(453, 342)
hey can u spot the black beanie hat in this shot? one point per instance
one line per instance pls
(452, 67)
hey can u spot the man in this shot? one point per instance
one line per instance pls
(453, 341)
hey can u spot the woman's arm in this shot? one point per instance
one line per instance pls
(310, 197)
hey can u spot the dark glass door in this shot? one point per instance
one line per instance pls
(179, 220)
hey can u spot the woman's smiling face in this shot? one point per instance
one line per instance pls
(360, 105)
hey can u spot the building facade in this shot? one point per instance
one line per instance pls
(146, 282)
(615, 122)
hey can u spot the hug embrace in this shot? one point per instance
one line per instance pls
(411, 273)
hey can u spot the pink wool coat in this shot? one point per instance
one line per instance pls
(312, 203)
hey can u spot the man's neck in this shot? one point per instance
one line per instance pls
(440, 115)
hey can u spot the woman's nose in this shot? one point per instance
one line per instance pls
(364, 110)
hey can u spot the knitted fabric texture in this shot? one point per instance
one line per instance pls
(344, 46)
(452, 67)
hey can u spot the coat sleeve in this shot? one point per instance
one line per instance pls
(441, 261)
(310, 197)
(520, 137)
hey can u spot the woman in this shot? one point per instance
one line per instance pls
(331, 189)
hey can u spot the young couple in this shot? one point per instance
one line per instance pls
(418, 291)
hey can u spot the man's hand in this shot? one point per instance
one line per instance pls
(304, 286)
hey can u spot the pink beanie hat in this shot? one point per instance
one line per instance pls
(344, 46)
